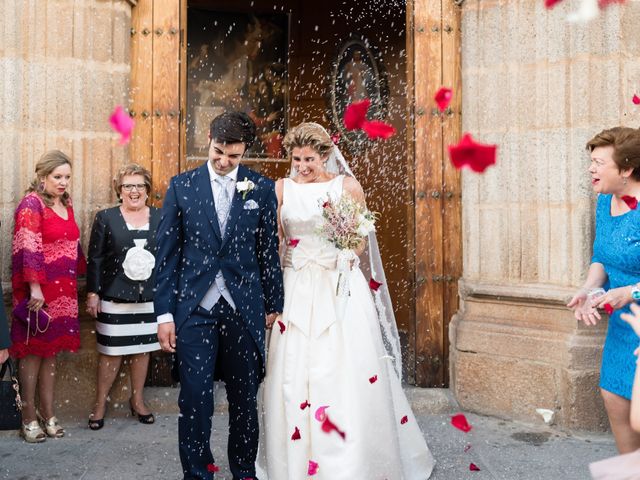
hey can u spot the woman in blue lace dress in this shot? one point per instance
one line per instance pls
(615, 266)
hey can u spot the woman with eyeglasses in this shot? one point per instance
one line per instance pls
(120, 282)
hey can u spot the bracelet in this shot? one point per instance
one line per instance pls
(91, 294)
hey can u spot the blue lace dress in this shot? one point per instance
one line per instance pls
(617, 248)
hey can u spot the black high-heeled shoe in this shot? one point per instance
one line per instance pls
(96, 424)
(147, 419)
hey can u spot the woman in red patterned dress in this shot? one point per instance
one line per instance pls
(46, 259)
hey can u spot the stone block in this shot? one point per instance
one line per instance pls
(629, 21)
(101, 33)
(121, 39)
(504, 387)
(582, 407)
(59, 32)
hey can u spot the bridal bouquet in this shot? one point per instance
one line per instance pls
(346, 223)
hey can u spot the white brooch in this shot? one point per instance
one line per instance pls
(138, 263)
(245, 187)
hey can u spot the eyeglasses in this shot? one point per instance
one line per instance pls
(127, 187)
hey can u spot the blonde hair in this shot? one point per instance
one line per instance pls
(131, 169)
(45, 166)
(309, 134)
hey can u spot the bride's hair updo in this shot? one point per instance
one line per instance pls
(309, 134)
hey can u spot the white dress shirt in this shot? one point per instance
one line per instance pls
(218, 288)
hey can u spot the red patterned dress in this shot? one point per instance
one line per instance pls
(46, 249)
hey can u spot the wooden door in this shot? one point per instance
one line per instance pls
(156, 46)
(433, 41)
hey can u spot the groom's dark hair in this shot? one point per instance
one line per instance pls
(233, 127)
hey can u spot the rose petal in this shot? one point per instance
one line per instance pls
(467, 448)
(122, 123)
(296, 434)
(632, 202)
(460, 422)
(608, 308)
(404, 420)
(282, 326)
(335, 138)
(313, 468)
(373, 379)
(373, 285)
(377, 129)
(476, 156)
(551, 3)
(328, 426)
(320, 413)
(212, 467)
(356, 114)
(443, 97)
(473, 467)
(293, 242)
(304, 405)
(636, 99)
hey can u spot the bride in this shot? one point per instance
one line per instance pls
(333, 401)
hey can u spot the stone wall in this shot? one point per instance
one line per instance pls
(538, 87)
(64, 65)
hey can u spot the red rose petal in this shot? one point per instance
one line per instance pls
(473, 467)
(296, 434)
(373, 379)
(293, 242)
(320, 413)
(335, 138)
(460, 422)
(356, 114)
(443, 98)
(377, 129)
(476, 156)
(608, 308)
(632, 202)
(122, 123)
(313, 468)
(404, 420)
(213, 468)
(328, 426)
(304, 405)
(636, 99)
(373, 285)
(282, 326)
(551, 3)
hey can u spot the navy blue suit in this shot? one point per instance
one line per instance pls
(220, 343)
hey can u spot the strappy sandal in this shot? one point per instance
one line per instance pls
(32, 432)
(53, 428)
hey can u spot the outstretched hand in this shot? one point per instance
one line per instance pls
(583, 310)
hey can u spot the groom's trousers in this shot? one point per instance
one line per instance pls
(209, 340)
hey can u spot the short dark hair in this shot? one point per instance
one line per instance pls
(626, 147)
(233, 127)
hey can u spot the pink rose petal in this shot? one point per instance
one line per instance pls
(443, 97)
(320, 413)
(636, 99)
(473, 467)
(313, 468)
(122, 123)
(282, 326)
(304, 405)
(328, 426)
(373, 379)
(296, 434)
(460, 422)
(404, 420)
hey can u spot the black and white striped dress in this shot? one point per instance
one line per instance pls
(126, 328)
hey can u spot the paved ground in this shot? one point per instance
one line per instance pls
(125, 449)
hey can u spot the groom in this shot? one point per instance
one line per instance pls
(218, 283)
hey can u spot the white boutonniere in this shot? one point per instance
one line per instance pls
(245, 187)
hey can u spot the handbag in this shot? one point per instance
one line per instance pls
(37, 321)
(10, 403)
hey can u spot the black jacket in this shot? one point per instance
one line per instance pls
(110, 241)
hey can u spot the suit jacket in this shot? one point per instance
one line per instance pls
(110, 241)
(191, 250)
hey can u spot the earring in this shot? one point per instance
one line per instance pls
(41, 187)
(624, 181)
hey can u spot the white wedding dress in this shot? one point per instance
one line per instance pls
(328, 359)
